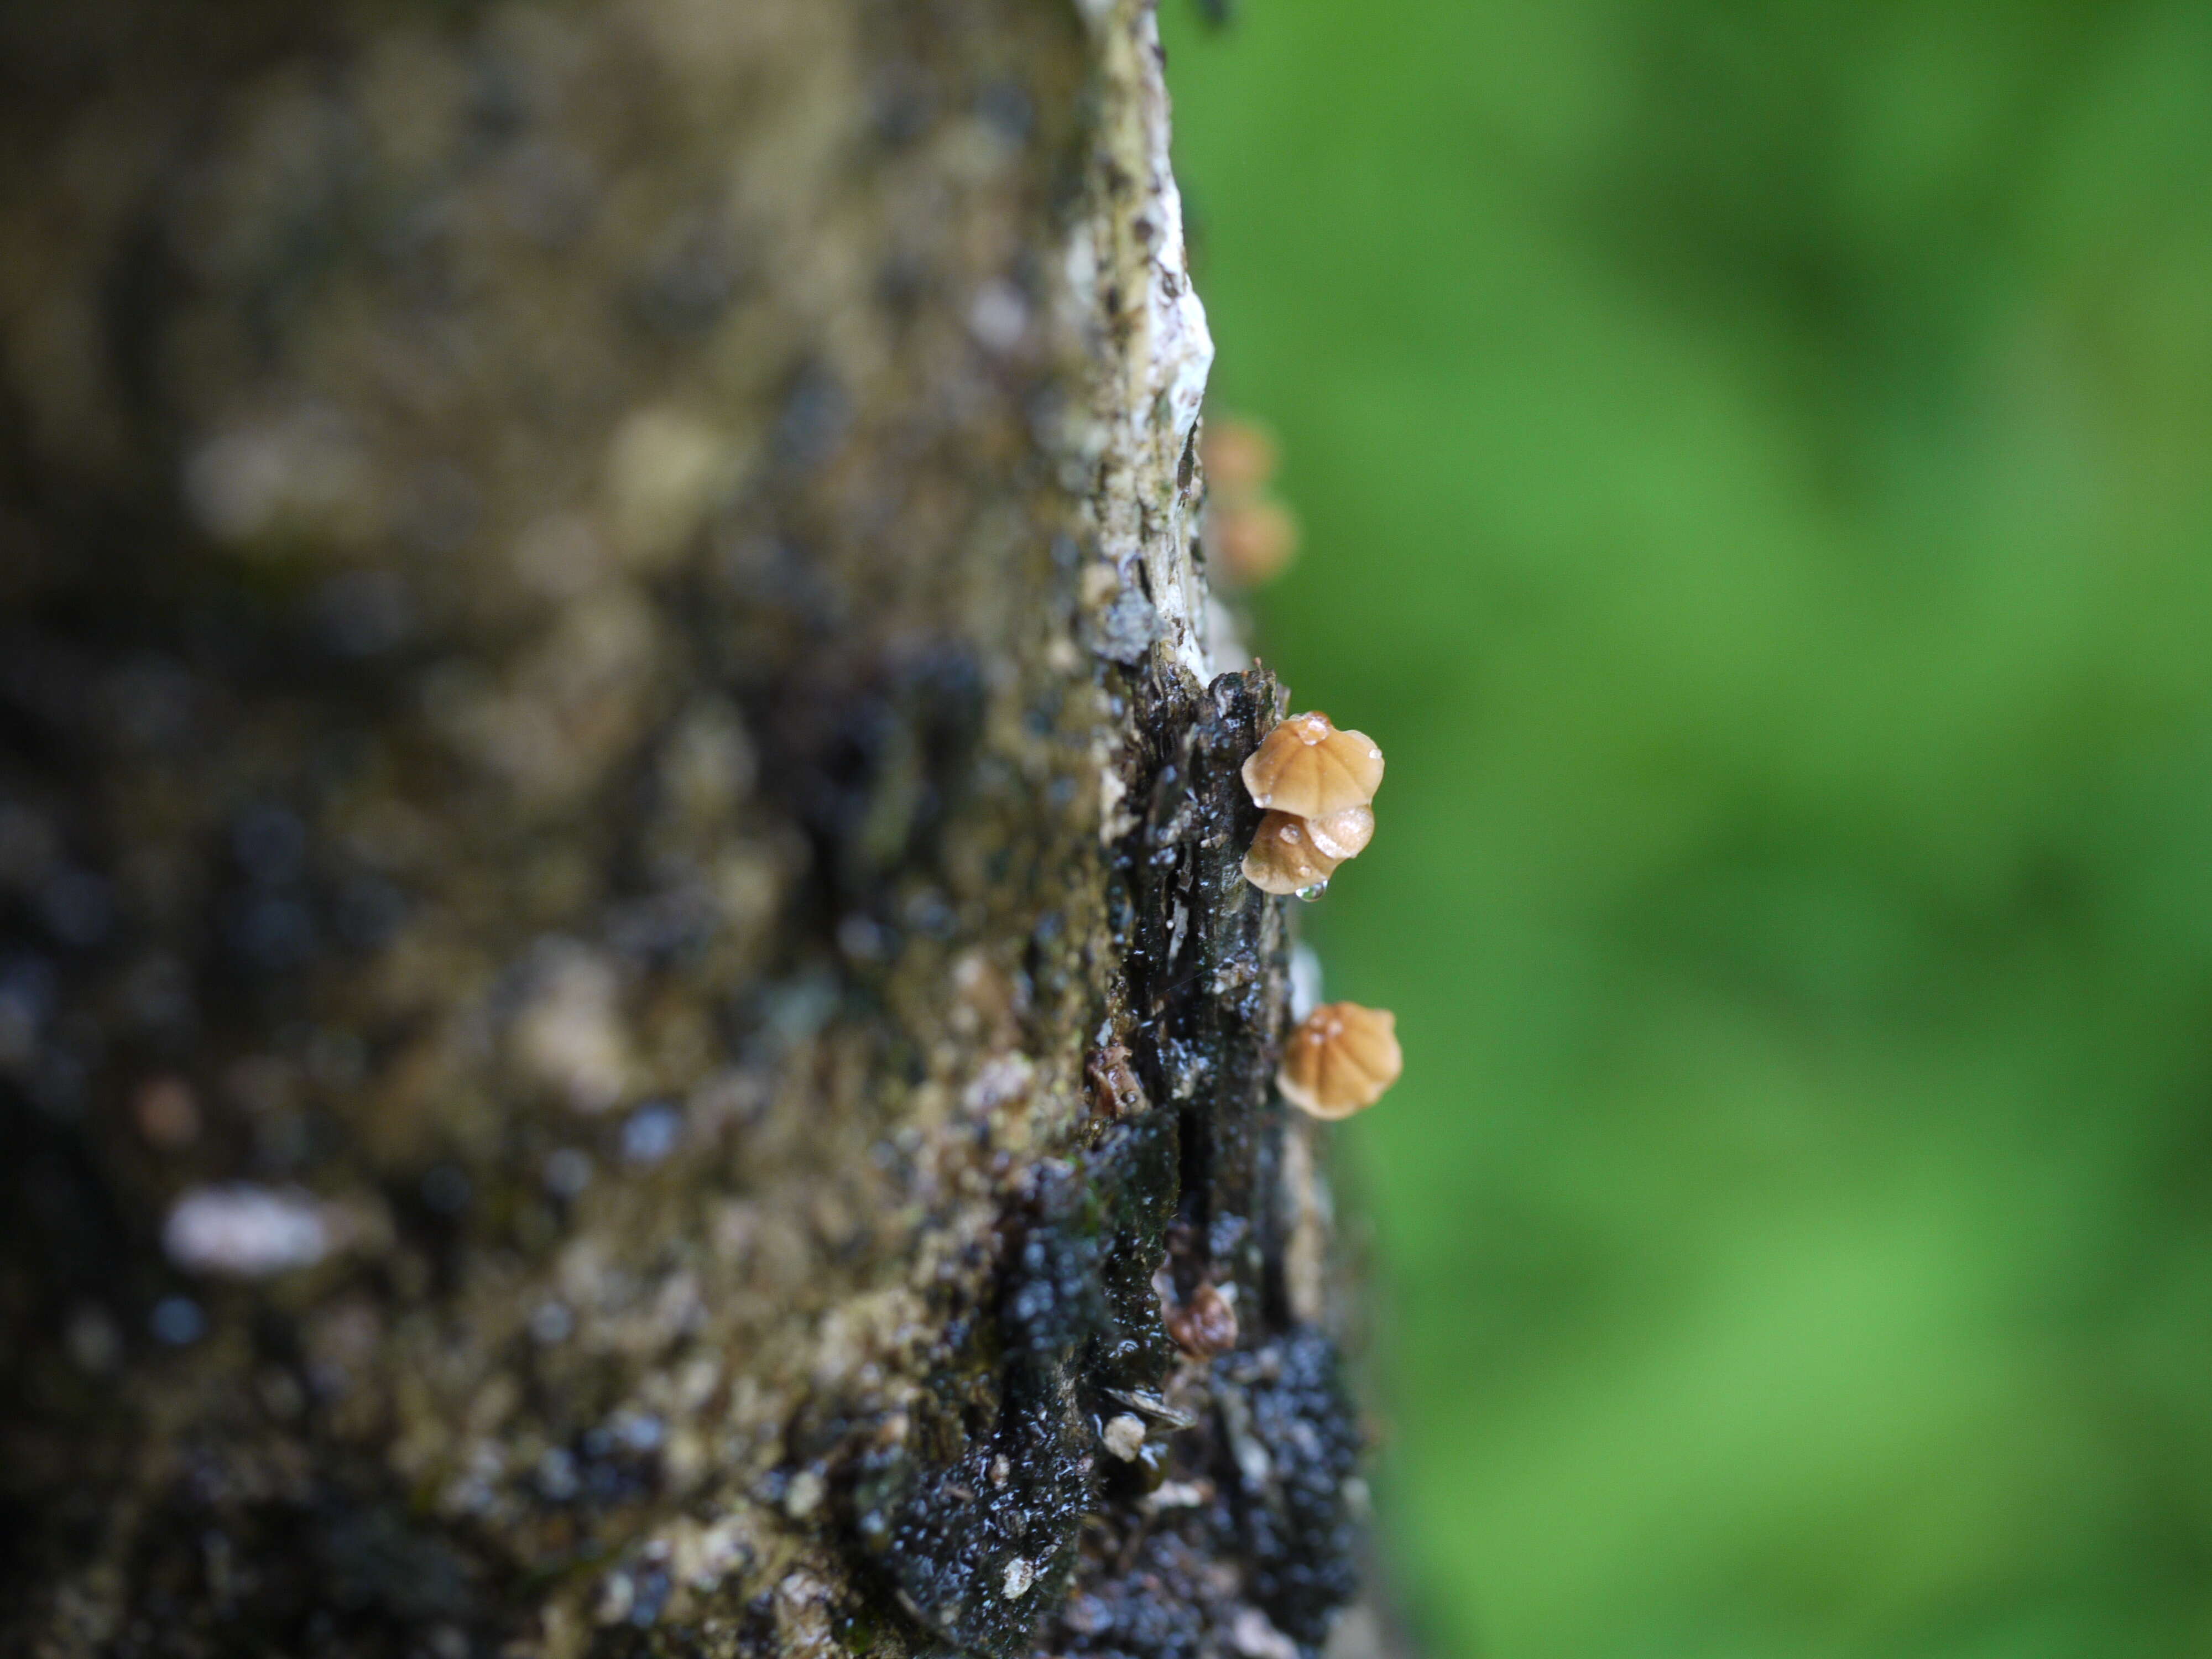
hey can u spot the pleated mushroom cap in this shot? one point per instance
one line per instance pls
(1340, 1060)
(1307, 767)
(1342, 836)
(1284, 857)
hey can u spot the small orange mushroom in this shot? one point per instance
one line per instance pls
(1307, 767)
(1251, 542)
(1340, 1060)
(1284, 857)
(1240, 456)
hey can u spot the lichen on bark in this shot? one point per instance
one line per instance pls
(605, 730)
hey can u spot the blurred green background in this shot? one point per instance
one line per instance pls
(1757, 470)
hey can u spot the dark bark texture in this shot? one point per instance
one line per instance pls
(626, 1019)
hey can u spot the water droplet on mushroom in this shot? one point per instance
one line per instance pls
(1310, 894)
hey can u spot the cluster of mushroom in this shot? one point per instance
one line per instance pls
(1250, 535)
(1317, 784)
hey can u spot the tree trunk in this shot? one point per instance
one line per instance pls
(626, 1016)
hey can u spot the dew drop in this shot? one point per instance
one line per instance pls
(1310, 894)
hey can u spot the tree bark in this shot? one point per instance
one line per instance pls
(627, 1018)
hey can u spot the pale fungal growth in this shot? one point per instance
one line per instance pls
(1307, 767)
(1340, 1060)
(1125, 1435)
(1285, 858)
(1341, 835)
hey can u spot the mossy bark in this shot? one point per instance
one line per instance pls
(625, 1011)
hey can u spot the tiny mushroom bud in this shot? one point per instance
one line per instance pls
(1342, 836)
(1307, 767)
(1340, 1060)
(1284, 857)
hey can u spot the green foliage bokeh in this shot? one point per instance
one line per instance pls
(1757, 470)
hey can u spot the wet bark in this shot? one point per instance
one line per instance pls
(627, 1021)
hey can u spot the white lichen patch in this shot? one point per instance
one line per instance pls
(1129, 275)
(1001, 1084)
(568, 1033)
(1254, 1636)
(805, 1494)
(241, 1230)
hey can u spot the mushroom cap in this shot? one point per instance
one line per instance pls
(1307, 767)
(1284, 857)
(1250, 542)
(1342, 836)
(1340, 1060)
(1240, 456)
